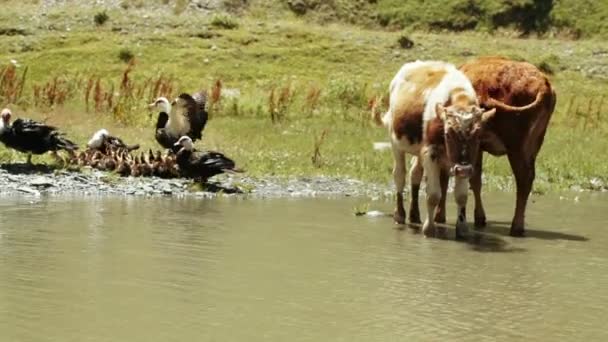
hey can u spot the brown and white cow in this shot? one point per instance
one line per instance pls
(434, 115)
(524, 101)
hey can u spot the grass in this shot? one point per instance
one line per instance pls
(287, 97)
(567, 18)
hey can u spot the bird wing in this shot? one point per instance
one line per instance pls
(27, 127)
(42, 136)
(197, 114)
(214, 160)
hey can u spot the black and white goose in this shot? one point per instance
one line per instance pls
(185, 116)
(106, 143)
(201, 164)
(31, 137)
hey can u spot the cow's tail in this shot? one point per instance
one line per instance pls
(377, 117)
(492, 102)
(536, 133)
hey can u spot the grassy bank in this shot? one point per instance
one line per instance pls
(294, 95)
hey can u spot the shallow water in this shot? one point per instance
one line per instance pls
(133, 269)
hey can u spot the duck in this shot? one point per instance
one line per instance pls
(185, 116)
(201, 165)
(95, 160)
(31, 137)
(145, 168)
(104, 142)
(123, 167)
(166, 166)
(134, 167)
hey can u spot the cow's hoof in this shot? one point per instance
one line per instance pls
(480, 221)
(415, 217)
(399, 218)
(428, 229)
(517, 232)
(440, 218)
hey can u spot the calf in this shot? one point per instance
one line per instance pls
(434, 115)
(524, 102)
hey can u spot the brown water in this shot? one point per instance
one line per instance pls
(114, 269)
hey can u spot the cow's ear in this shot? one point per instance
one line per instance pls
(487, 115)
(440, 111)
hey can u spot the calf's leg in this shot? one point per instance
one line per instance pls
(461, 189)
(444, 180)
(475, 181)
(524, 172)
(416, 173)
(399, 178)
(433, 193)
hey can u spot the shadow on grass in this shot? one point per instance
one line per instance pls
(503, 228)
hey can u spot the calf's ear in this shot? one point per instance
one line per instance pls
(440, 111)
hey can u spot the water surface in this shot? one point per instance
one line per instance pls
(134, 269)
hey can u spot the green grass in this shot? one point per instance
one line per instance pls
(571, 18)
(321, 78)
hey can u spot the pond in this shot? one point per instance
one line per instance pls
(234, 269)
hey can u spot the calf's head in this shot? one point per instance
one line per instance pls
(463, 126)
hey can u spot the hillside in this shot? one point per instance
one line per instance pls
(570, 18)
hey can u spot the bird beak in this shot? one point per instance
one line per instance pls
(152, 105)
(177, 144)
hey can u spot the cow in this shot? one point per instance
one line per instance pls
(434, 115)
(524, 102)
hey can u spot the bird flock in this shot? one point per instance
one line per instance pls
(179, 124)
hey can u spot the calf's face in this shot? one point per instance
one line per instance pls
(463, 126)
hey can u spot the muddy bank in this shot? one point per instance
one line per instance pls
(17, 179)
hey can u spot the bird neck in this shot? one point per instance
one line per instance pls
(183, 155)
(4, 125)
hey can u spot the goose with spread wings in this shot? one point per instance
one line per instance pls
(185, 116)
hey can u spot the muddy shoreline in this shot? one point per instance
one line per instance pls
(19, 179)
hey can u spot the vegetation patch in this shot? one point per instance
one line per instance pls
(12, 31)
(101, 18)
(224, 21)
(294, 100)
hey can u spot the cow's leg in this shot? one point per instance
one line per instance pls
(444, 180)
(399, 178)
(433, 192)
(480, 213)
(461, 188)
(524, 172)
(416, 173)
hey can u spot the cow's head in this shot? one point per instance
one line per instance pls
(463, 126)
